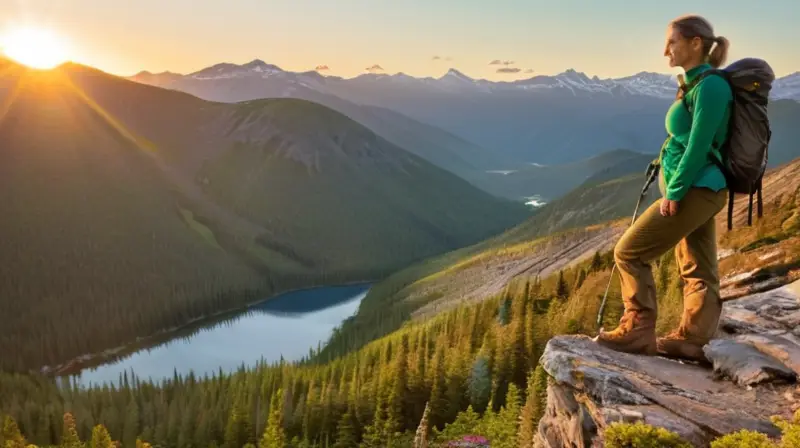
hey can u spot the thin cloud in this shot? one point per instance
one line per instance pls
(437, 58)
(509, 70)
(441, 58)
(530, 70)
(501, 62)
(322, 68)
(374, 68)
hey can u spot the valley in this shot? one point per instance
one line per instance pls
(145, 208)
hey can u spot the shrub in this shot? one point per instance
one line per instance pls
(743, 439)
(641, 435)
(790, 430)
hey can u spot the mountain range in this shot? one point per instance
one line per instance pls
(481, 130)
(641, 84)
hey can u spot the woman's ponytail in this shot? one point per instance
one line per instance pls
(719, 54)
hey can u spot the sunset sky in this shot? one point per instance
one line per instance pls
(607, 38)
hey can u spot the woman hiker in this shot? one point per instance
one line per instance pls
(693, 191)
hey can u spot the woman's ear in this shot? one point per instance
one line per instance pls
(697, 44)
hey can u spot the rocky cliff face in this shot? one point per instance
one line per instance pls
(752, 375)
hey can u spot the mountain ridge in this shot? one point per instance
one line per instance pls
(544, 119)
(648, 83)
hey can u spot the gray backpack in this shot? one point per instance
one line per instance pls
(744, 153)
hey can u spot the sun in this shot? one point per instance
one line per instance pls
(35, 47)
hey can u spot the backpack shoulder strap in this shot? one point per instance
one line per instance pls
(685, 88)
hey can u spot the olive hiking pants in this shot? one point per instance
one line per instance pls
(692, 234)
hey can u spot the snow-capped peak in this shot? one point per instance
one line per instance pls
(573, 75)
(454, 74)
(259, 66)
(787, 87)
(256, 67)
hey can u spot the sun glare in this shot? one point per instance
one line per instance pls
(34, 47)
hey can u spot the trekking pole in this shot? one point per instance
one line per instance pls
(652, 172)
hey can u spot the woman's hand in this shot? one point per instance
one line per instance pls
(669, 208)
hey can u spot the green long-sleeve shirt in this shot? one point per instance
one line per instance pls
(685, 159)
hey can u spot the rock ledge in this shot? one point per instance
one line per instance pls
(755, 359)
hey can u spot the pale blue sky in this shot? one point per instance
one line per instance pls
(607, 38)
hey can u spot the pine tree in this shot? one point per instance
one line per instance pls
(467, 422)
(528, 423)
(480, 384)
(396, 420)
(438, 399)
(502, 374)
(274, 436)
(69, 438)
(132, 424)
(310, 418)
(354, 404)
(235, 432)
(100, 437)
(526, 292)
(11, 437)
(540, 380)
(597, 263)
(531, 347)
(518, 356)
(374, 432)
(580, 277)
(562, 291)
(346, 432)
(504, 311)
(186, 432)
(510, 416)
(502, 427)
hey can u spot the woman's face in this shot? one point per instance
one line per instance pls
(679, 50)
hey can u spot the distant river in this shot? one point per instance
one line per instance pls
(287, 325)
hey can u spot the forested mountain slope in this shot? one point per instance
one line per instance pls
(590, 218)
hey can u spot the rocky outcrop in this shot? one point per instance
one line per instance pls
(754, 363)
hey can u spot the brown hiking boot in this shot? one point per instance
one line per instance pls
(636, 333)
(678, 344)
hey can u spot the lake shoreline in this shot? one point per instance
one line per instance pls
(79, 362)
